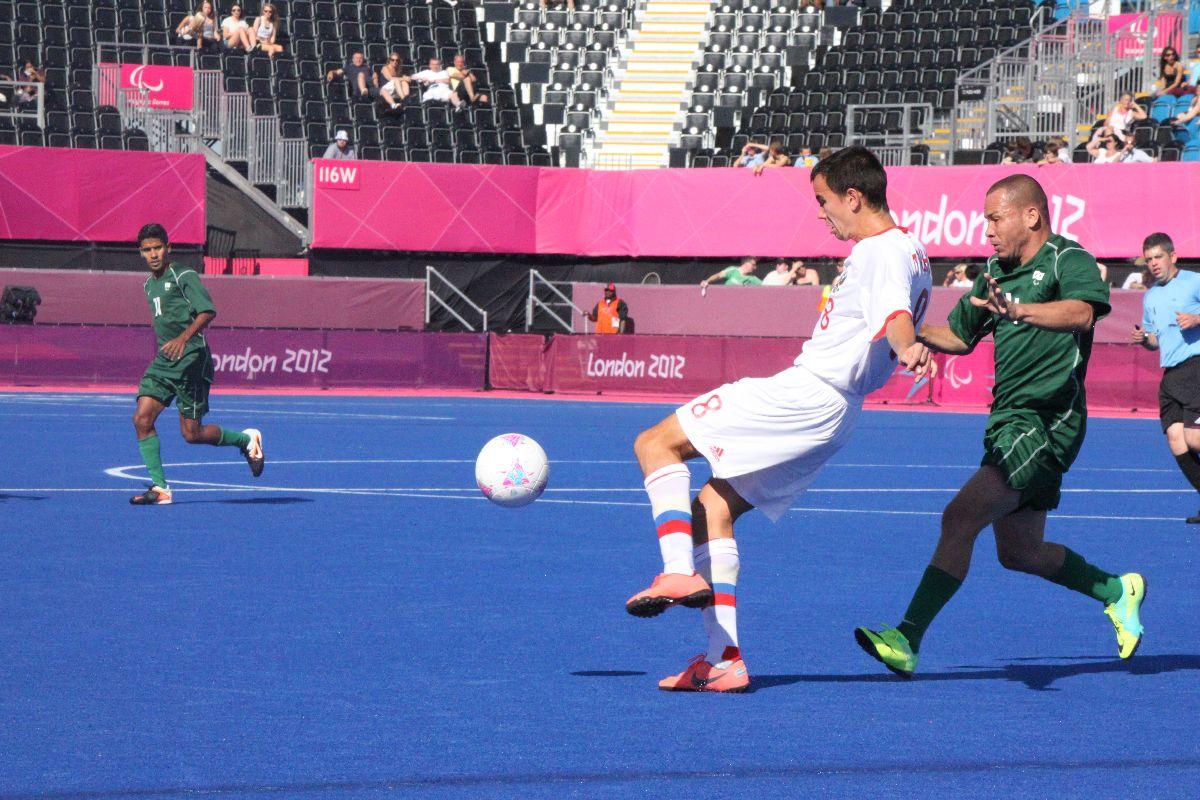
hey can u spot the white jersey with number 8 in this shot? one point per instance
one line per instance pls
(886, 275)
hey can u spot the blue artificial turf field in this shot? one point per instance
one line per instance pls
(359, 623)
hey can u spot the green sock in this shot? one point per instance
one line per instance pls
(935, 590)
(152, 458)
(233, 439)
(1084, 578)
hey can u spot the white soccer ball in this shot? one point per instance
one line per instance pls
(512, 470)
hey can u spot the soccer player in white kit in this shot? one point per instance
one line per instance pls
(767, 438)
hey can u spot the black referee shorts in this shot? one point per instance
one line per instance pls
(1179, 394)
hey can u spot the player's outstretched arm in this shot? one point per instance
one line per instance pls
(1060, 316)
(940, 339)
(914, 355)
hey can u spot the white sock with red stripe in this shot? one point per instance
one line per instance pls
(720, 619)
(670, 492)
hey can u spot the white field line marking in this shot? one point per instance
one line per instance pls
(198, 486)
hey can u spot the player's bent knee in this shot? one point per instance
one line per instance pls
(1016, 559)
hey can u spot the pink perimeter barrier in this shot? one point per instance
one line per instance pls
(1120, 376)
(782, 310)
(249, 358)
(57, 194)
(719, 212)
(117, 298)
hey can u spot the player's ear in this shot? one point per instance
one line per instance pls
(854, 199)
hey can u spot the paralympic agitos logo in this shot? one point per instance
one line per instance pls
(138, 79)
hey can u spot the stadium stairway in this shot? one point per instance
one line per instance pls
(652, 84)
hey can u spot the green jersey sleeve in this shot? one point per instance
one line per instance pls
(196, 294)
(730, 272)
(1079, 279)
(971, 323)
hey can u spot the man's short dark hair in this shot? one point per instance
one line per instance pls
(855, 168)
(748, 259)
(1159, 240)
(1024, 191)
(152, 230)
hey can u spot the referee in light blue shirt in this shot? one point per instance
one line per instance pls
(1171, 325)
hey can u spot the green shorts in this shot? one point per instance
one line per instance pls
(1023, 450)
(189, 381)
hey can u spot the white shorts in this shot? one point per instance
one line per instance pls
(769, 437)
(439, 92)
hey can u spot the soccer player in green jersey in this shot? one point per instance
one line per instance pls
(182, 369)
(1039, 298)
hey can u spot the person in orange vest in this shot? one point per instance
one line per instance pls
(610, 313)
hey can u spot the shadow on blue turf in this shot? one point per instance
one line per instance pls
(253, 501)
(607, 673)
(1039, 677)
(4, 497)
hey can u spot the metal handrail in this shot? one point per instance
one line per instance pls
(14, 109)
(532, 301)
(431, 273)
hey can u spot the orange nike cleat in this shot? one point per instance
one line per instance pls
(701, 676)
(153, 496)
(670, 589)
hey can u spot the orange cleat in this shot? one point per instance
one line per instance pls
(153, 496)
(701, 676)
(670, 589)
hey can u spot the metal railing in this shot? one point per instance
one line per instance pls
(431, 297)
(222, 121)
(28, 109)
(893, 146)
(1058, 80)
(533, 303)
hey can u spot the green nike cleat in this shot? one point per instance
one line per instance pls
(890, 648)
(1124, 614)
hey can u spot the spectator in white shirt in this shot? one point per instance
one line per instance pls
(1106, 148)
(235, 30)
(436, 84)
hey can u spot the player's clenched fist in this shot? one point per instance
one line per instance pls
(1138, 336)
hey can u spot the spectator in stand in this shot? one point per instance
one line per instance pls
(1191, 113)
(1052, 154)
(265, 30)
(1172, 75)
(361, 79)
(957, 278)
(1020, 151)
(462, 82)
(775, 158)
(29, 74)
(200, 29)
(611, 313)
(784, 274)
(806, 157)
(235, 30)
(397, 86)
(435, 83)
(753, 155)
(741, 275)
(824, 153)
(1106, 148)
(805, 276)
(1140, 278)
(1123, 115)
(340, 148)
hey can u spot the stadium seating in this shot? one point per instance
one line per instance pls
(317, 35)
(912, 52)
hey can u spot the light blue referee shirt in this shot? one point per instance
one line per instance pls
(1182, 293)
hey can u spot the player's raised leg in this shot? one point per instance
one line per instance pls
(1020, 546)
(248, 441)
(144, 417)
(720, 668)
(661, 451)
